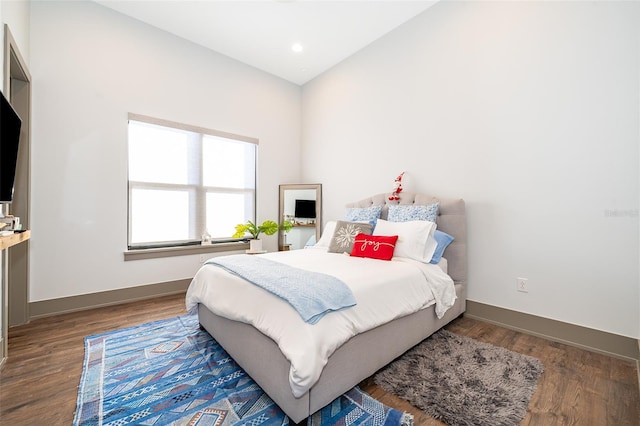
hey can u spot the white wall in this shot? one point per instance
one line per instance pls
(16, 13)
(527, 110)
(90, 67)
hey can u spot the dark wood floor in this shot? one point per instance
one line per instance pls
(39, 382)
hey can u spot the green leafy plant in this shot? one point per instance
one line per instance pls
(269, 227)
(286, 226)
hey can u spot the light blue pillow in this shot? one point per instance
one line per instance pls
(443, 239)
(311, 241)
(409, 212)
(361, 214)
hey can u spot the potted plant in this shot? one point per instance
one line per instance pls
(269, 227)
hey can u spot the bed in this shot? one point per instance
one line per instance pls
(361, 355)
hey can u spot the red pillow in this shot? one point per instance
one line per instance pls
(374, 246)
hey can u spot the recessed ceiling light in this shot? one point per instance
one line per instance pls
(297, 47)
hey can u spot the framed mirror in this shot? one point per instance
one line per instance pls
(301, 204)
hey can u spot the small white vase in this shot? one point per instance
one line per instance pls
(255, 245)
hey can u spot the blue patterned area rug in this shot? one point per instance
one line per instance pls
(170, 372)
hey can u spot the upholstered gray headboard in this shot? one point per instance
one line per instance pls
(451, 219)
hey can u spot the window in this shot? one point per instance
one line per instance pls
(185, 180)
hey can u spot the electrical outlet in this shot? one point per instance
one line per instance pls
(202, 258)
(522, 284)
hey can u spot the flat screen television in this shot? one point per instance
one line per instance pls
(10, 124)
(305, 209)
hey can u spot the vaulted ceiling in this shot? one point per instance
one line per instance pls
(262, 33)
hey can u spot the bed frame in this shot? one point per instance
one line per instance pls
(362, 355)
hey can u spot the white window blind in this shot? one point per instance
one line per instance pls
(185, 180)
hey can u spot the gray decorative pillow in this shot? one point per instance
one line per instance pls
(345, 234)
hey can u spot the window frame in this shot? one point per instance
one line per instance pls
(197, 216)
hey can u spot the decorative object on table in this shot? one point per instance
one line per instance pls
(206, 238)
(397, 188)
(171, 372)
(269, 227)
(13, 222)
(462, 381)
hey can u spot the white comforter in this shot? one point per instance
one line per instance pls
(384, 290)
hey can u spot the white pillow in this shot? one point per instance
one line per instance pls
(415, 238)
(327, 234)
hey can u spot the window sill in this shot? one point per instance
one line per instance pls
(156, 253)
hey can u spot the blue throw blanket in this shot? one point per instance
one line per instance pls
(312, 294)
